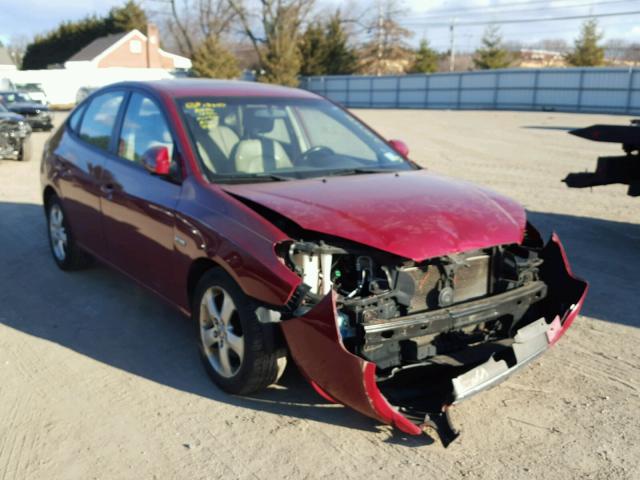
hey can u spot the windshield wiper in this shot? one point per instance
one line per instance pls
(356, 171)
(249, 177)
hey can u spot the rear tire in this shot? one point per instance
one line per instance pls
(235, 347)
(65, 251)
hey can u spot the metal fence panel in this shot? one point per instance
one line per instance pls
(479, 80)
(444, 81)
(411, 82)
(522, 79)
(615, 90)
(515, 97)
(606, 80)
(604, 98)
(565, 99)
(474, 97)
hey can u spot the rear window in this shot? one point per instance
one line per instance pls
(100, 119)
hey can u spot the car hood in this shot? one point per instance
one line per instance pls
(10, 117)
(416, 215)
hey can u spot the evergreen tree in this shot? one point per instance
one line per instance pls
(212, 60)
(128, 17)
(492, 54)
(325, 49)
(281, 59)
(69, 37)
(340, 58)
(586, 51)
(313, 50)
(58, 45)
(426, 60)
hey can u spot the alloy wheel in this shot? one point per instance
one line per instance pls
(58, 232)
(221, 335)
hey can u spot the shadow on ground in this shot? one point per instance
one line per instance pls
(105, 316)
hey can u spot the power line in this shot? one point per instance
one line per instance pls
(505, 8)
(461, 13)
(525, 20)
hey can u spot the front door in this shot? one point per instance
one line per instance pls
(139, 207)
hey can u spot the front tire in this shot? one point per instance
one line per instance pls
(66, 253)
(234, 346)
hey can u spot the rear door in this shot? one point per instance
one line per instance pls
(138, 207)
(79, 161)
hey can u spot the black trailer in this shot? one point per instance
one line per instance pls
(624, 169)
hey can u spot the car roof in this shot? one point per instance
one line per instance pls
(193, 87)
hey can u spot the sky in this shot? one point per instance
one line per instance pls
(426, 18)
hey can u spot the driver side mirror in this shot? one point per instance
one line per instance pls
(156, 160)
(400, 147)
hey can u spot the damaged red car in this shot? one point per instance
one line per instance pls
(285, 227)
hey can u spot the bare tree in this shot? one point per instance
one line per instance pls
(192, 22)
(634, 53)
(620, 51)
(275, 34)
(386, 50)
(17, 47)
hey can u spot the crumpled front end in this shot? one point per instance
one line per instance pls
(407, 369)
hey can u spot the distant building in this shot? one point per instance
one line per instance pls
(6, 62)
(530, 58)
(130, 50)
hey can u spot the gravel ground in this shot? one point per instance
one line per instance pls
(98, 379)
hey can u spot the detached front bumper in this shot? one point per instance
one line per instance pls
(340, 376)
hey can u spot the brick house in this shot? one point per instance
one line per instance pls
(128, 49)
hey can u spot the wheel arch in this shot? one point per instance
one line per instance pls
(48, 193)
(198, 268)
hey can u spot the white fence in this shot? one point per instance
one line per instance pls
(611, 90)
(61, 85)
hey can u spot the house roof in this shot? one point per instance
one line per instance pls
(96, 47)
(100, 46)
(5, 58)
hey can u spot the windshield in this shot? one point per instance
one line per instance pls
(30, 87)
(241, 139)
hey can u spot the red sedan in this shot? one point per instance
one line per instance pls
(283, 225)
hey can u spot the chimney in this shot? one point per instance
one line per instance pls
(153, 47)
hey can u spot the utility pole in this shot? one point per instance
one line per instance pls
(452, 46)
(380, 35)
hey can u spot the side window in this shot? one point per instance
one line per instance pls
(76, 115)
(100, 118)
(143, 127)
(325, 131)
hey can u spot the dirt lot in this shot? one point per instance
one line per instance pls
(98, 379)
